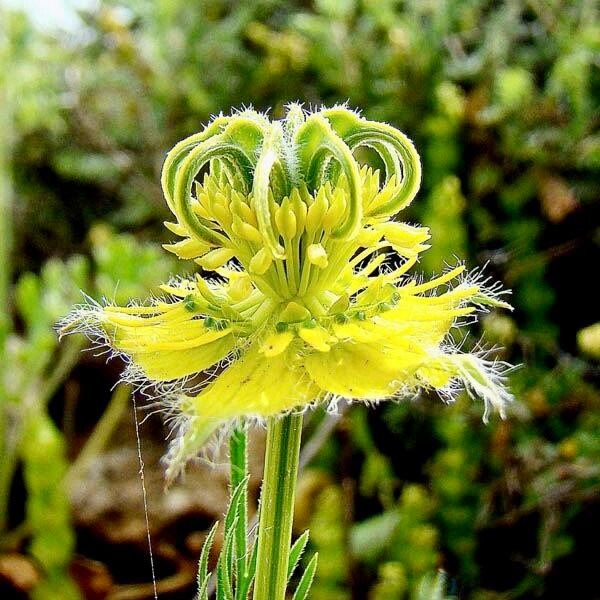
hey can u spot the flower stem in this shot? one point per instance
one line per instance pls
(277, 506)
(238, 458)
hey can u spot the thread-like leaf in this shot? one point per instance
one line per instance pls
(203, 575)
(296, 552)
(225, 565)
(245, 581)
(203, 588)
(233, 510)
(239, 477)
(221, 584)
(306, 580)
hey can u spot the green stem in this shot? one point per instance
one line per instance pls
(238, 458)
(277, 506)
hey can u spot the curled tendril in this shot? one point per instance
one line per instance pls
(267, 162)
(395, 150)
(317, 143)
(271, 158)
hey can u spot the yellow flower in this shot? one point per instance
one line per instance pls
(305, 293)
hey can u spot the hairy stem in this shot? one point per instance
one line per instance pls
(238, 458)
(277, 506)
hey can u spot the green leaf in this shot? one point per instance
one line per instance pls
(233, 510)
(296, 552)
(221, 584)
(203, 575)
(203, 588)
(226, 564)
(306, 580)
(245, 580)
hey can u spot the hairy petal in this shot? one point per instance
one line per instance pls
(369, 371)
(165, 341)
(482, 378)
(253, 385)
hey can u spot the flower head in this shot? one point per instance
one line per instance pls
(305, 292)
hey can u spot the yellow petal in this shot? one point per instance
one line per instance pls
(433, 283)
(482, 378)
(138, 341)
(336, 211)
(361, 370)
(276, 343)
(255, 386)
(176, 228)
(176, 364)
(300, 210)
(317, 255)
(403, 235)
(167, 343)
(294, 313)
(215, 258)
(260, 262)
(181, 288)
(319, 338)
(240, 286)
(285, 220)
(316, 212)
(188, 249)
(246, 231)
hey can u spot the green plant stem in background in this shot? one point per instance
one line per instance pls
(101, 434)
(277, 506)
(6, 191)
(5, 232)
(35, 397)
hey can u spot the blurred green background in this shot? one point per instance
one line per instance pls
(502, 101)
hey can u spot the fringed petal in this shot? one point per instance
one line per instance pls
(165, 341)
(367, 371)
(482, 378)
(253, 386)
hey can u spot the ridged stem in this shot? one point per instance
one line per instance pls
(277, 506)
(238, 458)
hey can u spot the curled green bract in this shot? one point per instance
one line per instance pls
(394, 148)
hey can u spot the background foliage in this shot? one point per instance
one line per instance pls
(501, 99)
